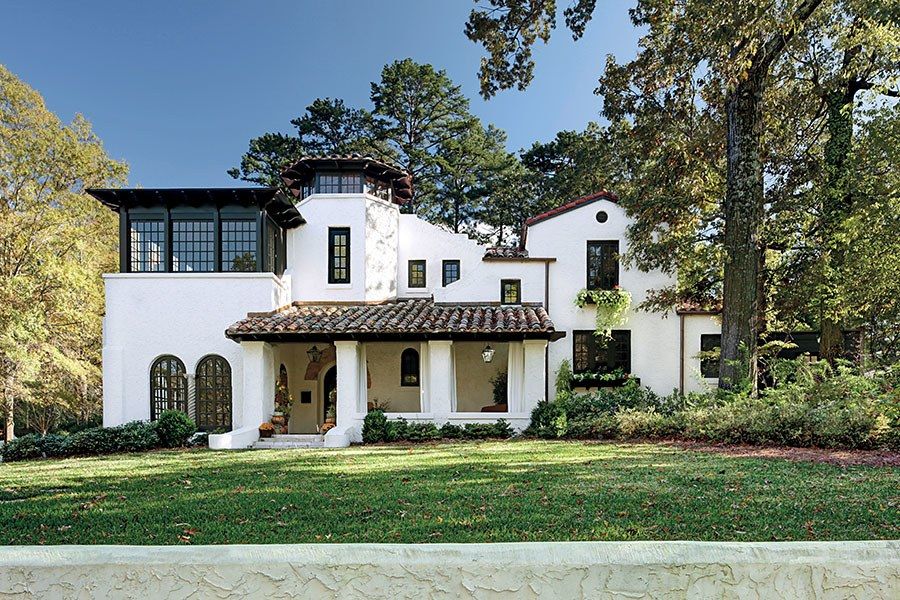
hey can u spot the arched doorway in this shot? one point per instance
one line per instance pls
(329, 383)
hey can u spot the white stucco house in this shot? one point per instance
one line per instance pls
(224, 292)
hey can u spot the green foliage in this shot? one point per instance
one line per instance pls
(808, 405)
(174, 428)
(22, 448)
(374, 427)
(499, 385)
(564, 378)
(611, 308)
(55, 240)
(400, 430)
(98, 440)
(137, 436)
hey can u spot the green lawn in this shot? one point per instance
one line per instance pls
(468, 492)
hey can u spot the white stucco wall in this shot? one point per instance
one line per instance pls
(474, 389)
(701, 570)
(183, 314)
(694, 327)
(654, 336)
(383, 365)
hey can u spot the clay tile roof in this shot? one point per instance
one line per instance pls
(505, 252)
(601, 195)
(403, 319)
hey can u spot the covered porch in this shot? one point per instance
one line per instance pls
(414, 359)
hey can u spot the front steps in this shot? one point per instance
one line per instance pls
(291, 440)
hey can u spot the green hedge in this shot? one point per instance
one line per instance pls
(172, 429)
(808, 405)
(377, 428)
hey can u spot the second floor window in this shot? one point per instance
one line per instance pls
(417, 273)
(239, 245)
(338, 255)
(511, 291)
(193, 246)
(451, 272)
(602, 265)
(147, 246)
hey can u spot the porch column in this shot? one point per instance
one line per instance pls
(534, 385)
(515, 376)
(258, 402)
(424, 379)
(441, 381)
(348, 358)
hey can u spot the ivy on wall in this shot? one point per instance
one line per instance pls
(611, 306)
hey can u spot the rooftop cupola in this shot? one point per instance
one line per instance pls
(349, 174)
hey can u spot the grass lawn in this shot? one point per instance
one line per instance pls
(467, 492)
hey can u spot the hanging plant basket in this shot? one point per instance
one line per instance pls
(611, 306)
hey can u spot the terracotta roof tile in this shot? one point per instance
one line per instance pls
(403, 319)
(601, 195)
(505, 252)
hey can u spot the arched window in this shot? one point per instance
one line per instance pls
(213, 391)
(168, 386)
(409, 367)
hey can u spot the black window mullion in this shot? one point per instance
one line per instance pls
(338, 255)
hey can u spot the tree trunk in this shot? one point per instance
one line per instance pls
(836, 206)
(743, 221)
(9, 420)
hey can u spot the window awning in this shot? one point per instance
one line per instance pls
(418, 319)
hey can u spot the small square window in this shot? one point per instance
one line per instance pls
(417, 273)
(511, 291)
(451, 272)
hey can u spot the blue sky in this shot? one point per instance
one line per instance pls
(177, 88)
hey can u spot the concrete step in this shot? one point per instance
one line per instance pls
(269, 443)
(298, 437)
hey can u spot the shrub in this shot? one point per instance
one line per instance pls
(98, 440)
(55, 445)
(395, 430)
(22, 448)
(374, 427)
(136, 436)
(422, 432)
(498, 386)
(483, 431)
(632, 422)
(450, 431)
(174, 428)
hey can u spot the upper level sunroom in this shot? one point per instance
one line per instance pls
(350, 174)
(192, 230)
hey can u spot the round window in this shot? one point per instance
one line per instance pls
(602, 216)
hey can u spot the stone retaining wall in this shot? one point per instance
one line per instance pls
(537, 570)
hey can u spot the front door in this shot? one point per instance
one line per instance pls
(329, 384)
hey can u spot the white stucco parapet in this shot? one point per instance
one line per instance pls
(521, 570)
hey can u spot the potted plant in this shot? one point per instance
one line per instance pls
(283, 403)
(266, 430)
(330, 419)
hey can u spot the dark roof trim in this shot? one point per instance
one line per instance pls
(499, 336)
(301, 172)
(276, 204)
(572, 205)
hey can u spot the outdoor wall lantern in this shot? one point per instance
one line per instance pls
(487, 354)
(314, 354)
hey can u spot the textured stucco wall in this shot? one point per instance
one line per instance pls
(552, 570)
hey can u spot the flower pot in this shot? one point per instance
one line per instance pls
(265, 433)
(278, 420)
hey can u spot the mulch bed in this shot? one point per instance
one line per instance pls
(844, 458)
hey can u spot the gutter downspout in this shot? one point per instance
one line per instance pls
(681, 354)
(547, 351)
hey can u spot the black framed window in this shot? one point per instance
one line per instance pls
(602, 265)
(451, 272)
(168, 386)
(409, 367)
(147, 246)
(212, 386)
(351, 183)
(416, 274)
(329, 184)
(193, 246)
(239, 245)
(709, 367)
(338, 255)
(511, 291)
(593, 354)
